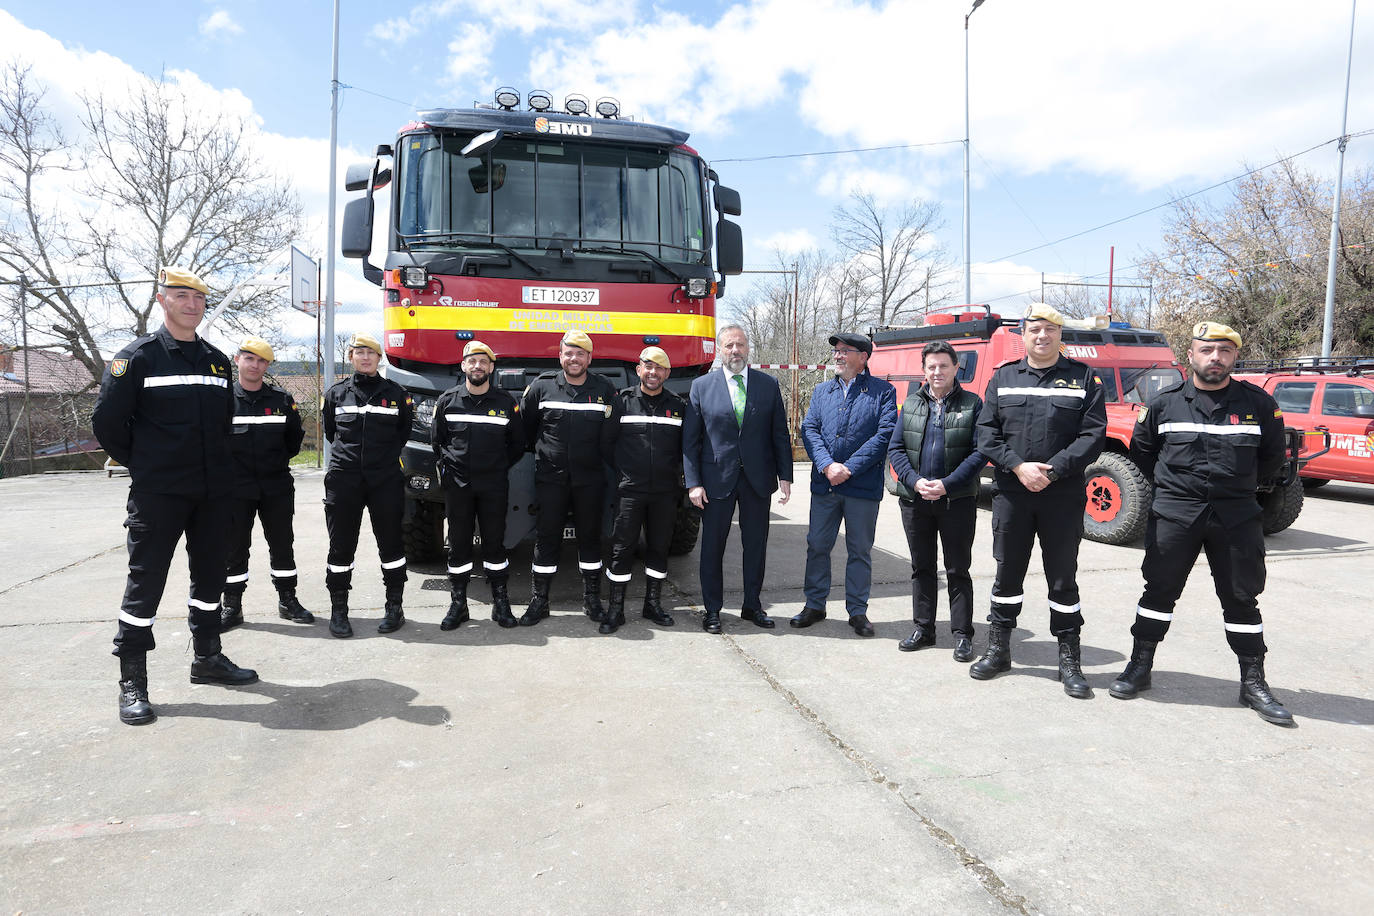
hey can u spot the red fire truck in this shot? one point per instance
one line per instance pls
(1133, 364)
(512, 225)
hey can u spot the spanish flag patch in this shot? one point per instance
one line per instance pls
(1277, 413)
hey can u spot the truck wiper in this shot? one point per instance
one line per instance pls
(457, 240)
(639, 254)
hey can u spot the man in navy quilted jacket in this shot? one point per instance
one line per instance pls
(846, 432)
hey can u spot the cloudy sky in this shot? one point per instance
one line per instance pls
(1083, 113)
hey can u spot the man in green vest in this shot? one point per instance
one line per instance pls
(934, 472)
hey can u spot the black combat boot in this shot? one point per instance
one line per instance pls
(500, 605)
(231, 611)
(997, 658)
(539, 600)
(1071, 669)
(1254, 692)
(217, 669)
(1136, 677)
(614, 618)
(134, 708)
(339, 627)
(591, 597)
(457, 603)
(653, 607)
(393, 618)
(289, 608)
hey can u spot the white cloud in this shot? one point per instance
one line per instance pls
(471, 53)
(792, 241)
(219, 24)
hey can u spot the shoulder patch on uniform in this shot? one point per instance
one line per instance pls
(1140, 417)
(1277, 413)
(119, 367)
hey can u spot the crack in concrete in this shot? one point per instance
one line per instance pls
(982, 872)
(60, 569)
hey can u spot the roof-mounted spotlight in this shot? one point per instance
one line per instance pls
(539, 100)
(507, 98)
(576, 104)
(607, 107)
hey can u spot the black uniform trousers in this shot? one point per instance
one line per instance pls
(954, 522)
(1055, 517)
(1235, 554)
(588, 502)
(652, 513)
(155, 523)
(481, 502)
(716, 516)
(346, 495)
(276, 513)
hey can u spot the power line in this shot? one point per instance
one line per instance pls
(839, 152)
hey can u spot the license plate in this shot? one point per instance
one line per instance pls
(560, 295)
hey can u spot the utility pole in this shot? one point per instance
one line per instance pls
(24, 324)
(333, 195)
(1329, 314)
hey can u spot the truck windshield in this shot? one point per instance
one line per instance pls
(537, 194)
(1139, 385)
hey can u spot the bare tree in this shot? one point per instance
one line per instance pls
(154, 182)
(894, 257)
(1258, 262)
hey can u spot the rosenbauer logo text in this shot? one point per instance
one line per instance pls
(545, 126)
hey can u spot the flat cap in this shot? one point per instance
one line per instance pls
(656, 356)
(1039, 311)
(857, 341)
(1214, 330)
(577, 339)
(258, 347)
(175, 277)
(476, 346)
(365, 340)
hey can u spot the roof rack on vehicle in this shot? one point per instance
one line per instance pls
(1297, 365)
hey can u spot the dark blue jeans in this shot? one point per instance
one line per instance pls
(860, 517)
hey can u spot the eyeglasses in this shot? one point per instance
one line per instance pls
(844, 351)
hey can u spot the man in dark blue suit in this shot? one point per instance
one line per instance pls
(735, 452)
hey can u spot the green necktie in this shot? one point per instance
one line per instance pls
(737, 396)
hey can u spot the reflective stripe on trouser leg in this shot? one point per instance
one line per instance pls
(1013, 535)
(207, 546)
(343, 516)
(1235, 554)
(554, 499)
(242, 512)
(276, 513)
(386, 502)
(154, 524)
(1171, 549)
(1059, 529)
(1151, 625)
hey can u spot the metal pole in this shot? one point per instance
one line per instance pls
(1111, 275)
(968, 245)
(1329, 315)
(333, 194)
(796, 353)
(24, 323)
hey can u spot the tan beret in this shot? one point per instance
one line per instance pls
(476, 346)
(365, 340)
(172, 277)
(656, 355)
(577, 339)
(1039, 311)
(258, 347)
(1213, 330)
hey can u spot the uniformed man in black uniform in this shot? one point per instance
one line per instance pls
(477, 436)
(648, 462)
(164, 412)
(1044, 420)
(1207, 443)
(367, 421)
(570, 423)
(267, 435)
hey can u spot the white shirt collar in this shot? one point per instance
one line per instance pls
(730, 375)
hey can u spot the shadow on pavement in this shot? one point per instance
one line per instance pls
(1200, 690)
(329, 707)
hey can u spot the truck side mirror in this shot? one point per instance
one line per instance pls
(727, 200)
(358, 175)
(729, 248)
(356, 234)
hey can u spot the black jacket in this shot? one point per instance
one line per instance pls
(476, 436)
(165, 416)
(1056, 415)
(1199, 459)
(648, 445)
(571, 428)
(367, 421)
(267, 435)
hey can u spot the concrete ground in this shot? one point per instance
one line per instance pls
(665, 770)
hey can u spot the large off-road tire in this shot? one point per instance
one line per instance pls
(1118, 500)
(686, 528)
(423, 533)
(1281, 506)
